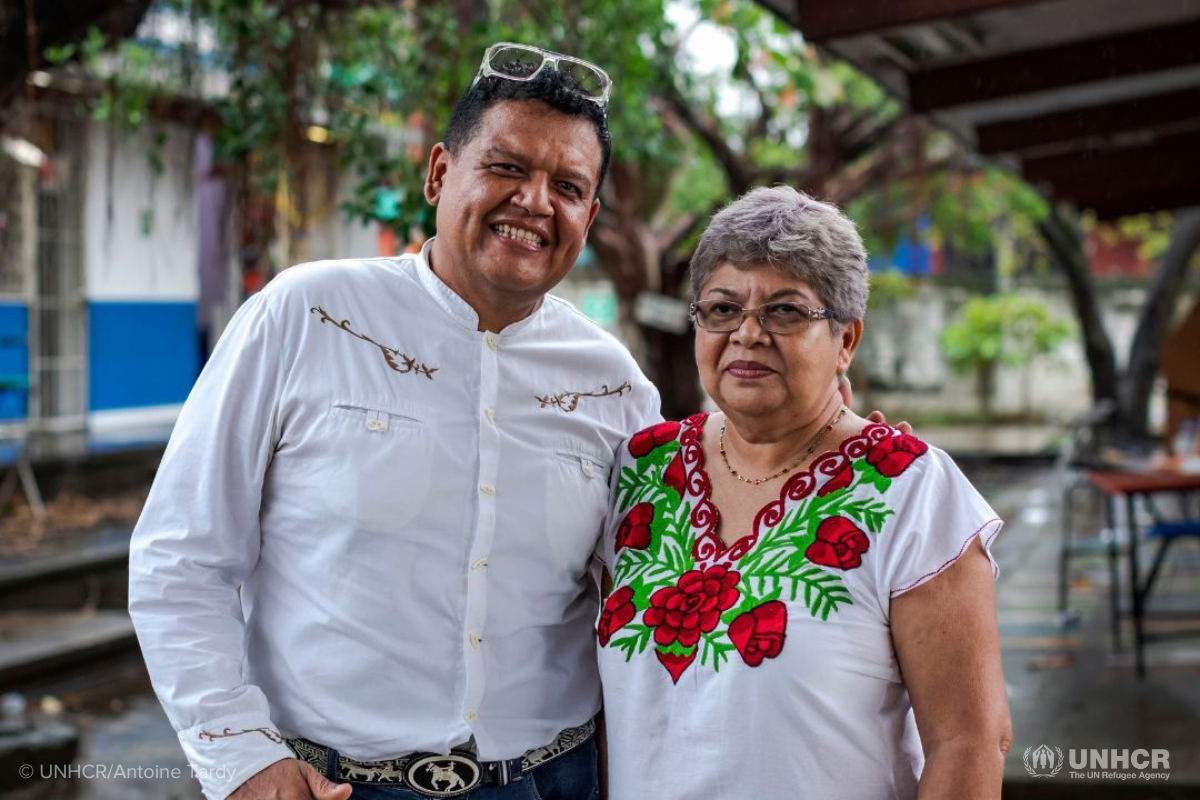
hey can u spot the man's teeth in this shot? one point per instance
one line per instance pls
(517, 233)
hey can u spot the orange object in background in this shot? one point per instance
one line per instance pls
(389, 242)
(1181, 367)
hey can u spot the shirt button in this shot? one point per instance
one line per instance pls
(492, 342)
(470, 716)
(475, 641)
(376, 425)
(479, 563)
(589, 470)
(491, 415)
(487, 488)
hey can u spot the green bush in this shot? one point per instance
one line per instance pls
(1000, 330)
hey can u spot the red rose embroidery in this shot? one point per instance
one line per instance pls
(618, 612)
(681, 613)
(634, 531)
(676, 475)
(643, 442)
(839, 544)
(759, 633)
(675, 664)
(839, 481)
(895, 454)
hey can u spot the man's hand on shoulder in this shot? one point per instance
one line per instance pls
(290, 779)
(877, 416)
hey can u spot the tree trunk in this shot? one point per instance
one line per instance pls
(985, 387)
(1066, 248)
(1154, 322)
(675, 354)
(675, 372)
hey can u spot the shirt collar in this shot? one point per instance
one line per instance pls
(450, 302)
(459, 309)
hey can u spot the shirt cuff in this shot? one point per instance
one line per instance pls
(225, 753)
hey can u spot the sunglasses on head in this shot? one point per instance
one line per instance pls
(521, 62)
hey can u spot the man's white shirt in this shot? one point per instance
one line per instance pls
(372, 526)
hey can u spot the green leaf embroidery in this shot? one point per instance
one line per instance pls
(823, 591)
(870, 514)
(637, 639)
(712, 646)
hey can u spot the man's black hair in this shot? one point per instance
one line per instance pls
(551, 87)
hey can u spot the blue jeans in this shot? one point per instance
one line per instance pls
(571, 776)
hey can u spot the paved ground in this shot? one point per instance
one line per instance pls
(995, 440)
(1068, 689)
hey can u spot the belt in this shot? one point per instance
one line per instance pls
(437, 775)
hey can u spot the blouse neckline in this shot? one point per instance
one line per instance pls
(709, 545)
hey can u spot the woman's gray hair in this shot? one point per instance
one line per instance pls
(809, 240)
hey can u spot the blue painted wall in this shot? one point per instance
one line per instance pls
(141, 354)
(14, 361)
(909, 257)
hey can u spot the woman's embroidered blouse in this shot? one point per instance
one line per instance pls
(766, 669)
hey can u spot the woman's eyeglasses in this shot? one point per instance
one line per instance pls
(725, 316)
(521, 62)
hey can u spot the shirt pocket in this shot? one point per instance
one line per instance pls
(576, 501)
(381, 473)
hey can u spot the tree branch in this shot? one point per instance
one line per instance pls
(736, 166)
(1066, 248)
(1154, 322)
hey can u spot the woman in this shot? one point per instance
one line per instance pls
(795, 591)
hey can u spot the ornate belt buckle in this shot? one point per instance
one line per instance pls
(443, 776)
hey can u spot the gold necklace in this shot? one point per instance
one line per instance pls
(812, 446)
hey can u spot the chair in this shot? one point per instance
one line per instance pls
(1079, 455)
(1166, 532)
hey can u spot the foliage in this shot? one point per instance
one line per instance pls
(1152, 232)
(968, 209)
(1008, 329)
(889, 287)
(379, 81)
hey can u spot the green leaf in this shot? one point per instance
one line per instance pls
(676, 649)
(635, 639)
(60, 54)
(824, 592)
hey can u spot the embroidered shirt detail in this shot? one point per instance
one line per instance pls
(397, 361)
(567, 402)
(228, 734)
(680, 589)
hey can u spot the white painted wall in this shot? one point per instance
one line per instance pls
(901, 346)
(147, 247)
(331, 235)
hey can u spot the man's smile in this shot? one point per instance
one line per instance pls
(529, 239)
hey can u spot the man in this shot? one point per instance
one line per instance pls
(369, 539)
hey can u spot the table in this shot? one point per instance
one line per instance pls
(1130, 485)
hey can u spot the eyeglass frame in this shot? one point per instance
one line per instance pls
(548, 57)
(814, 315)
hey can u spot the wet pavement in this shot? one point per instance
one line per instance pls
(1068, 689)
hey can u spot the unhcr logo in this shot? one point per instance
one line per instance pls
(1042, 762)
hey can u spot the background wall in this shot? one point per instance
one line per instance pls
(141, 266)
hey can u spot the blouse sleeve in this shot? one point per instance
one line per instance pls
(606, 546)
(645, 413)
(937, 518)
